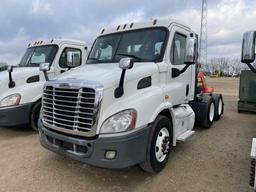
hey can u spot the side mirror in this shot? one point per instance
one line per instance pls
(126, 63)
(73, 59)
(44, 67)
(248, 47)
(190, 52)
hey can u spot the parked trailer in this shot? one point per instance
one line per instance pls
(248, 57)
(96, 116)
(21, 86)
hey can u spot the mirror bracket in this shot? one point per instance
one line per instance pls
(175, 72)
(119, 91)
(252, 68)
(124, 64)
(11, 82)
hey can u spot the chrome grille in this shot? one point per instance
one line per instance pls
(69, 109)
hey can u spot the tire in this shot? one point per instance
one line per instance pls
(159, 145)
(219, 106)
(34, 115)
(252, 173)
(209, 118)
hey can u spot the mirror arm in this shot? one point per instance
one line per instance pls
(179, 72)
(11, 82)
(251, 67)
(46, 75)
(119, 91)
(184, 69)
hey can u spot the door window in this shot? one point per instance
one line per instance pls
(178, 49)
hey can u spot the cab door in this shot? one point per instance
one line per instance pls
(179, 89)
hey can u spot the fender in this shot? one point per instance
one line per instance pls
(159, 109)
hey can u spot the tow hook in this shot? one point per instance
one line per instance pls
(11, 82)
(166, 145)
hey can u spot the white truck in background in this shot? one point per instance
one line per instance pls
(135, 98)
(248, 57)
(21, 86)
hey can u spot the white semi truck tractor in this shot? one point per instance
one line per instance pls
(21, 86)
(131, 103)
(248, 57)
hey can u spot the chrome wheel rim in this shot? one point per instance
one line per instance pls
(211, 114)
(162, 146)
(220, 106)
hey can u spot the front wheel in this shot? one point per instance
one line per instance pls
(34, 116)
(159, 145)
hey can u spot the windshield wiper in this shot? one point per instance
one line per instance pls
(130, 55)
(29, 65)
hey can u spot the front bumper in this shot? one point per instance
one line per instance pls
(130, 149)
(15, 116)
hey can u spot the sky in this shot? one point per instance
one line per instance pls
(23, 21)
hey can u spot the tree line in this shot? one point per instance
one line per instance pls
(224, 67)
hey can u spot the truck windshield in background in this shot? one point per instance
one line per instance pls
(34, 56)
(146, 45)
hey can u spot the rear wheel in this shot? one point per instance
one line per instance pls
(34, 116)
(159, 145)
(219, 106)
(209, 118)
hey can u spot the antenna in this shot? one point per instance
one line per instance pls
(203, 36)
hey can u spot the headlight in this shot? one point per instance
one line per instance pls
(10, 100)
(120, 122)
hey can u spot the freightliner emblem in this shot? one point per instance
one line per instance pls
(64, 85)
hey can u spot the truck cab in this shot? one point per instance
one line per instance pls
(132, 102)
(21, 86)
(248, 80)
(247, 88)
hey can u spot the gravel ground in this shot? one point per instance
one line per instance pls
(215, 159)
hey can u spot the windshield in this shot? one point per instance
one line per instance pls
(34, 56)
(142, 45)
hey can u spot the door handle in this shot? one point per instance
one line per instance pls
(187, 90)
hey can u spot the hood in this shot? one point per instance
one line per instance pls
(19, 76)
(109, 74)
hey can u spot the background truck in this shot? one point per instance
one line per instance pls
(247, 90)
(21, 86)
(248, 57)
(3, 67)
(116, 117)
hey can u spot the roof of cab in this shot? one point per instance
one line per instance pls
(57, 41)
(139, 25)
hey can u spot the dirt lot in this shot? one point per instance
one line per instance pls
(216, 159)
